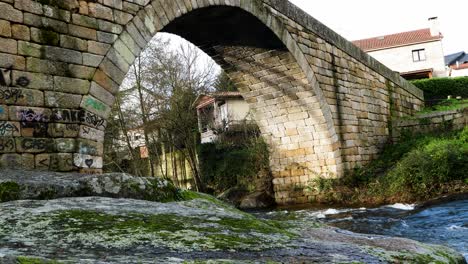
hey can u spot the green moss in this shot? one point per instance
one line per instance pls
(31, 260)
(47, 36)
(9, 191)
(47, 194)
(209, 233)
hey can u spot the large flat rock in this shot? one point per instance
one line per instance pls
(109, 230)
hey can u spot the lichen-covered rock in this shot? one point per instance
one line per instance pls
(16, 185)
(109, 230)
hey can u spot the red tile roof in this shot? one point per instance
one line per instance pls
(204, 100)
(396, 40)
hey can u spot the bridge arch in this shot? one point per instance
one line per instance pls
(323, 106)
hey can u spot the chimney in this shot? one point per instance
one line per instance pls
(434, 26)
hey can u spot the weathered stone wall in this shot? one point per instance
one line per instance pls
(431, 122)
(323, 105)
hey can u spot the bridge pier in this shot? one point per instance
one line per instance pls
(323, 105)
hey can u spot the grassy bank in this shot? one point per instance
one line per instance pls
(418, 168)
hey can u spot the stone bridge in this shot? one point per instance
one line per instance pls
(323, 105)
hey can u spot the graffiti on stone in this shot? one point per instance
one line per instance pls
(78, 116)
(8, 129)
(29, 115)
(22, 81)
(36, 144)
(6, 81)
(63, 130)
(87, 161)
(6, 78)
(34, 129)
(11, 94)
(7, 145)
(91, 134)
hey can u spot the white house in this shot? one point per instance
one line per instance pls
(219, 112)
(414, 54)
(457, 64)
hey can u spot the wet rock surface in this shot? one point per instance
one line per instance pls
(66, 228)
(109, 230)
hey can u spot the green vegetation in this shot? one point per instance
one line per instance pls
(418, 168)
(30, 260)
(227, 164)
(445, 105)
(9, 191)
(441, 88)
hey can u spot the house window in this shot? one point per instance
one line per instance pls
(419, 55)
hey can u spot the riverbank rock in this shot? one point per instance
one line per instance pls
(109, 230)
(257, 200)
(34, 185)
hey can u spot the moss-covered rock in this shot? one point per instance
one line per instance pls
(198, 230)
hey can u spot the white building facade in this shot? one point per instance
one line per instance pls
(414, 54)
(220, 112)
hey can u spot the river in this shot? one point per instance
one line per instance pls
(444, 224)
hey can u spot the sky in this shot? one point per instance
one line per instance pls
(361, 19)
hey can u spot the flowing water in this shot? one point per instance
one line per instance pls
(444, 224)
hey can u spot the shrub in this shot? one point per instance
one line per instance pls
(228, 165)
(439, 88)
(423, 169)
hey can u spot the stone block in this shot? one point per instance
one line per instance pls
(99, 11)
(101, 94)
(104, 81)
(11, 161)
(30, 49)
(44, 36)
(71, 85)
(55, 25)
(73, 43)
(95, 106)
(10, 60)
(121, 17)
(109, 27)
(91, 134)
(62, 162)
(4, 112)
(34, 145)
(21, 96)
(92, 59)
(8, 46)
(34, 80)
(123, 50)
(82, 32)
(85, 21)
(57, 13)
(118, 60)
(29, 114)
(87, 161)
(10, 129)
(106, 37)
(81, 72)
(64, 55)
(62, 100)
(59, 130)
(89, 147)
(98, 48)
(116, 4)
(8, 12)
(65, 145)
(5, 28)
(20, 32)
(112, 71)
(7, 145)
